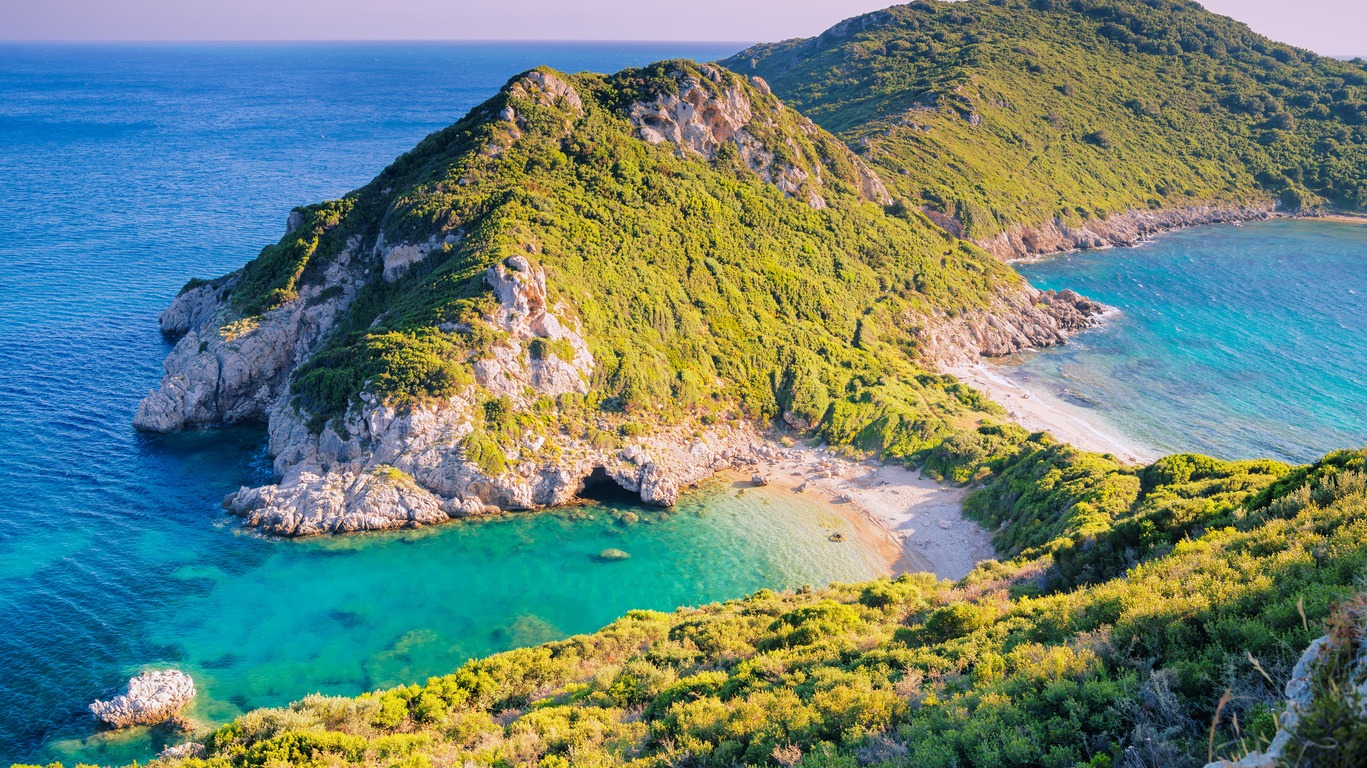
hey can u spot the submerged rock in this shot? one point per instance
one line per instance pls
(183, 751)
(611, 554)
(151, 698)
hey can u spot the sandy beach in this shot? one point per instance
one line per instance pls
(1039, 410)
(915, 523)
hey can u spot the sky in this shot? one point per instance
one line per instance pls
(1331, 27)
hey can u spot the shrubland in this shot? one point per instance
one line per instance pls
(996, 113)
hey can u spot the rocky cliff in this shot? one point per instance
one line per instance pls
(1019, 320)
(386, 467)
(1024, 241)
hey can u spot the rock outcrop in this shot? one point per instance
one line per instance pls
(225, 369)
(426, 478)
(1019, 320)
(1025, 242)
(378, 467)
(701, 118)
(182, 751)
(1345, 649)
(151, 698)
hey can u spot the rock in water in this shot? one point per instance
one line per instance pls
(183, 751)
(151, 698)
(613, 554)
(759, 481)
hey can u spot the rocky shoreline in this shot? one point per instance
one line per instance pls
(1022, 243)
(384, 468)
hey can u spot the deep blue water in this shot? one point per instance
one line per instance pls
(125, 170)
(1239, 342)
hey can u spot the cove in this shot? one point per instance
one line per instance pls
(127, 168)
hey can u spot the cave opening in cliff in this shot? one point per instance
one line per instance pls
(600, 487)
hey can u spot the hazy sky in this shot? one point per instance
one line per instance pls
(1332, 27)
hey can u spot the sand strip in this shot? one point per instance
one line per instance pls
(916, 523)
(1041, 411)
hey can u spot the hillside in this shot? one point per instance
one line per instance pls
(588, 279)
(1139, 598)
(1025, 125)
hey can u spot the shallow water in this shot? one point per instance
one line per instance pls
(124, 171)
(1239, 342)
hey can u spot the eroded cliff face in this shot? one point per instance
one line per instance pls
(380, 467)
(1020, 319)
(383, 467)
(702, 118)
(225, 369)
(1025, 242)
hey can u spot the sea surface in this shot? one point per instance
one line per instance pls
(1235, 341)
(124, 171)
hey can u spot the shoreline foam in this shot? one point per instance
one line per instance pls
(1041, 411)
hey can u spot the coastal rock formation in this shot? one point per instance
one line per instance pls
(426, 478)
(151, 698)
(701, 118)
(1022, 319)
(225, 370)
(1128, 228)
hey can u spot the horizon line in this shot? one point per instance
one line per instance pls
(66, 41)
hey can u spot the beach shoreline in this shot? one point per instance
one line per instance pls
(1041, 411)
(914, 523)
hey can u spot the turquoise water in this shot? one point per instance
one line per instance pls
(124, 170)
(1239, 342)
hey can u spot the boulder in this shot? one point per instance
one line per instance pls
(151, 698)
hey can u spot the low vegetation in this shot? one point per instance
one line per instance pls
(1003, 112)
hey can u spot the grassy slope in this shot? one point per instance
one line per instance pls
(702, 289)
(1087, 108)
(1117, 630)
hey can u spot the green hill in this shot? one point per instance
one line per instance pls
(725, 259)
(1005, 112)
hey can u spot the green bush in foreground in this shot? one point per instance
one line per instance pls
(1035, 661)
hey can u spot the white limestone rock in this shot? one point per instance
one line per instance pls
(151, 698)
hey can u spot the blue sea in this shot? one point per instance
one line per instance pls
(1235, 341)
(127, 169)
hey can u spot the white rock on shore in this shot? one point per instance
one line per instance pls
(151, 698)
